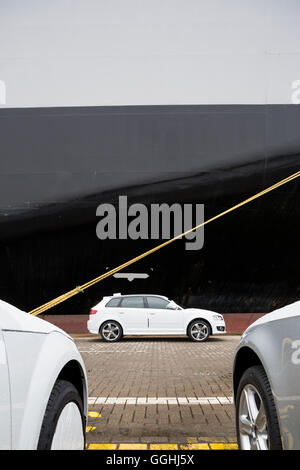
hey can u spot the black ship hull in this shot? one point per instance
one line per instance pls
(59, 164)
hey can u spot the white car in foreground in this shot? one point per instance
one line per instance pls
(43, 386)
(147, 314)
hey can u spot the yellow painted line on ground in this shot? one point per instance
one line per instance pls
(202, 446)
(163, 446)
(222, 446)
(90, 428)
(102, 446)
(139, 446)
(133, 447)
(94, 414)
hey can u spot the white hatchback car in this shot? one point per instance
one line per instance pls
(148, 314)
(43, 385)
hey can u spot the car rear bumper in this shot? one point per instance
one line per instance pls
(92, 328)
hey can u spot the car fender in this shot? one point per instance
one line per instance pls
(114, 317)
(250, 343)
(273, 347)
(273, 343)
(29, 398)
(193, 314)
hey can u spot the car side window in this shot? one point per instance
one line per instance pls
(132, 302)
(157, 302)
(113, 302)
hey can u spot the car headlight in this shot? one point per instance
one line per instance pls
(218, 317)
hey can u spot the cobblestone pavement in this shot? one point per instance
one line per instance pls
(158, 390)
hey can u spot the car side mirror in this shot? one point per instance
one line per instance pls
(172, 306)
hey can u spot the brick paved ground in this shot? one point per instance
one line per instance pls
(159, 368)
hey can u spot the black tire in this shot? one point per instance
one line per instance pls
(206, 327)
(118, 332)
(256, 376)
(62, 393)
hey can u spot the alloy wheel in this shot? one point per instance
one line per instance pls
(253, 426)
(110, 331)
(199, 331)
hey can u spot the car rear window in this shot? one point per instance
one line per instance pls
(113, 302)
(132, 302)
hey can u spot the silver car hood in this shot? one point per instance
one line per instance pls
(12, 318)
(291, 310)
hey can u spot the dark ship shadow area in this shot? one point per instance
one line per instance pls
(59, 164)
(249, 262)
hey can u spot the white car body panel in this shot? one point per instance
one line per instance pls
(288, 311)
(12, 318)
(161, 320)
(5, 417)
(129, 319)
(36, 352)
(151, 321)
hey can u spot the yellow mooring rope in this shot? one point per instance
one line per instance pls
(82, 288)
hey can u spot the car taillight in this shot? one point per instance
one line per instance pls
(93, 311)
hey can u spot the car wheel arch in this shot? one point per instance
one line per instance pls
(199, 319)
(72, 372)
(112, 320)
(56, 352)
(246, 357)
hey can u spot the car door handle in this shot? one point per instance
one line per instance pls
(121, 313)
(151, 313)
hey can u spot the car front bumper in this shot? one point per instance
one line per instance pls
(219, 328)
